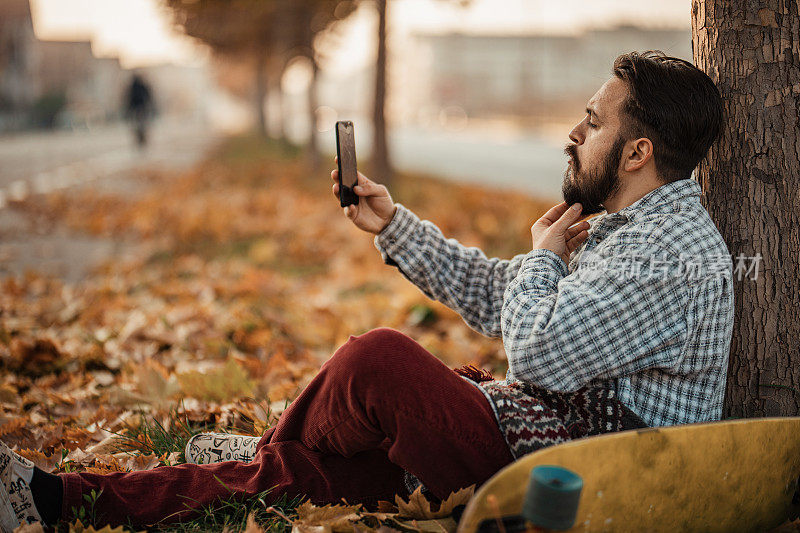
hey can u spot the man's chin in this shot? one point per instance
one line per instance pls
(591, 209)
(570, 193)
(588, 208)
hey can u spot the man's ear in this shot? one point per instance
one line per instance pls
(639, 153)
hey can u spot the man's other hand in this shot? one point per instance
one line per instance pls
(555, 231)
(375, 207)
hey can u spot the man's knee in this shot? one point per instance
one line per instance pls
(377, 348)
(381, 337)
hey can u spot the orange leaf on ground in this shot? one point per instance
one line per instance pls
(418, 507)
(47, 463)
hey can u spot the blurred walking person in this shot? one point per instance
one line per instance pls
(139, 108)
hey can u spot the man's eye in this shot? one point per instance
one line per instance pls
(592, 125)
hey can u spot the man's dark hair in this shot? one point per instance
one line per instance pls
(672, 103)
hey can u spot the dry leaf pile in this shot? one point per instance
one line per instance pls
(415, 515)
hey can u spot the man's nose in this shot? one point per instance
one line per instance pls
(575, 135)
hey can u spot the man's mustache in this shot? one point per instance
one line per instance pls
(572, 151)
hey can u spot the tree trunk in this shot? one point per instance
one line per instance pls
(261, 91)
(751, 180)
(305, 22)
(312, 151)
(381, 166)
(276, 94)
(281, 40)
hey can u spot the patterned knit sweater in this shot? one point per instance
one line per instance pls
(532, 418)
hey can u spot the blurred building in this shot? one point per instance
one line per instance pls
(45, 82)
(17, 63)
(91, 87)
(63, 83)
(526, 75)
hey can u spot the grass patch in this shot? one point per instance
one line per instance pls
(247, 149)
(150, 436)
(227, 515)
(231, 515)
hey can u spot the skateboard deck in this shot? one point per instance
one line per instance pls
(736, 475)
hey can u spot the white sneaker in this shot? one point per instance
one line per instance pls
(16, 498)
(207, 448)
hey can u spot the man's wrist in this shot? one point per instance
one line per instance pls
(400, 229)
(391, 218)
(553, 258)
(544, 258)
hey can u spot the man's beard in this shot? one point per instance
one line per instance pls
(594, 186)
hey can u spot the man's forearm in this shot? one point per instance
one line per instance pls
(461, 277)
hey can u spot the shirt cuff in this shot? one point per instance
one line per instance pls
(545, 266)
(396, 234)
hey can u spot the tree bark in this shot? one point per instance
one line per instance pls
(305, 20)
(380, 153)
(751, 180)
(277, 66)
(261, 91)
(312, 152)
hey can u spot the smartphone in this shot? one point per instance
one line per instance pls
(346, 152)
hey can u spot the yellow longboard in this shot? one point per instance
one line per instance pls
(736, 475)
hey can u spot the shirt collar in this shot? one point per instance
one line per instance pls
(660, 196)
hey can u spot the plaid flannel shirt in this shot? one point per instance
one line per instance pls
(645, 304)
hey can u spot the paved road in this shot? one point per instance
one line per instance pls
(42, 162)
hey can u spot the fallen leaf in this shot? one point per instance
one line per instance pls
(326, 519)
(34, 358)
(79, 456)
(418, 507)
(78, 527)
(252, 526)
(439, 525)
(11, 425)
(48, 463)
(36, 527)
(155, 382)
(386, 507)
(219, 385)
(459, 497)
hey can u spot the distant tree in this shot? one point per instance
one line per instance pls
(311, 18)
(381, 160)
(750, 179)
(270, 33)
(234, 28)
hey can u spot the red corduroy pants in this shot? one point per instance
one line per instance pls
(380, 405)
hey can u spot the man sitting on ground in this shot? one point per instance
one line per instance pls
(604, 326)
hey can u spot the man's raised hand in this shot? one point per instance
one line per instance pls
(555, 231)
(375, 207)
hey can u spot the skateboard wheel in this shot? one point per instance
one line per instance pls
(552, 498)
